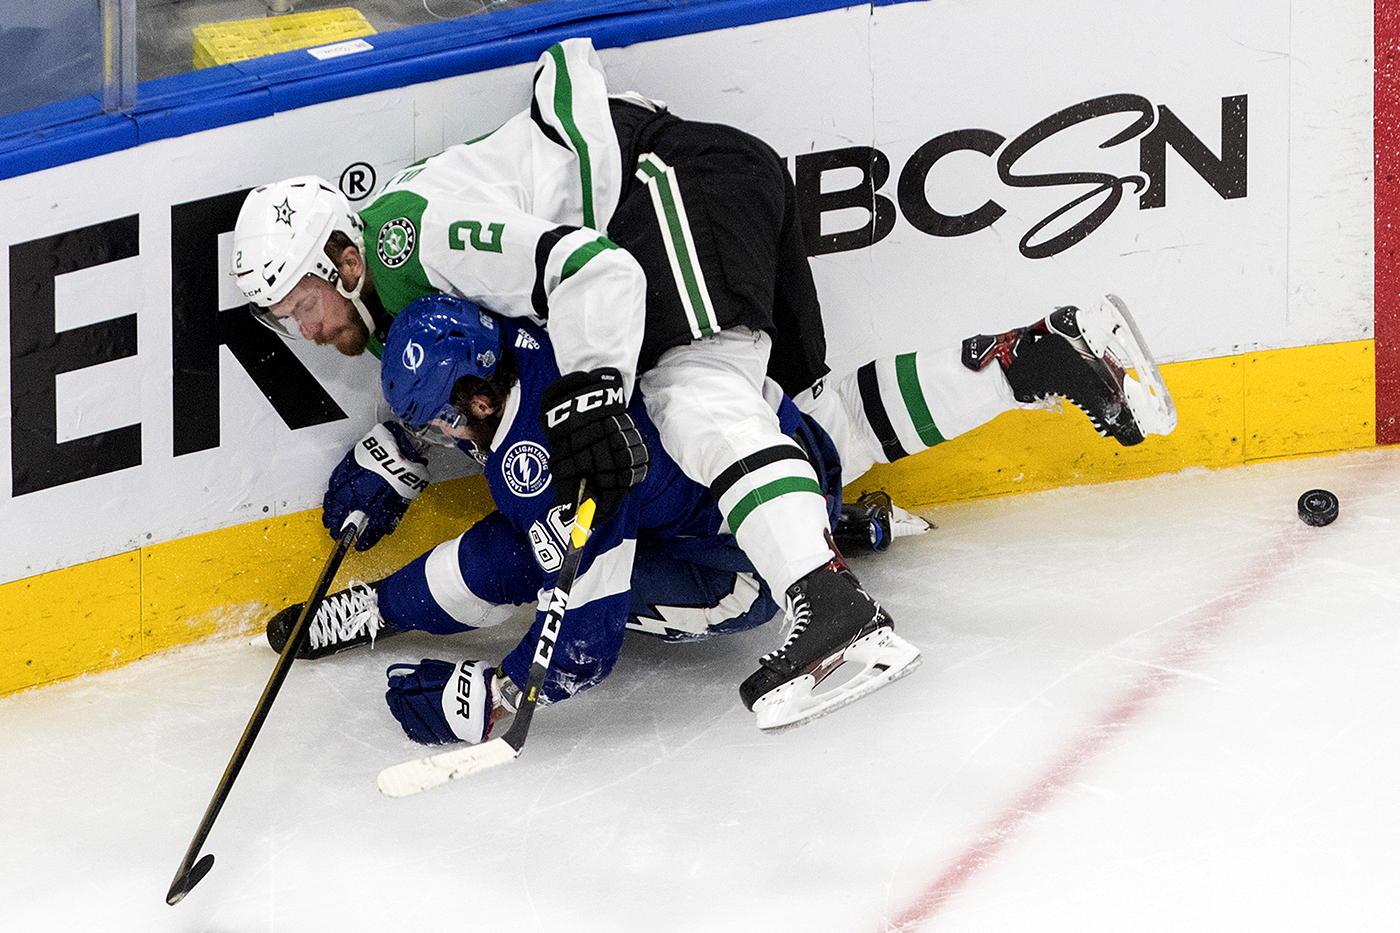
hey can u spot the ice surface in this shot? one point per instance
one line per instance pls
(1156, 705)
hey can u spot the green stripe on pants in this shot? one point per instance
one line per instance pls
(666, 198)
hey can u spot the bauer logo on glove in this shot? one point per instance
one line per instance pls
(372, 454)
(380, 476)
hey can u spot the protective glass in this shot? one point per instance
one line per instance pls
(278, 325)
(433, 433)
(288, 325)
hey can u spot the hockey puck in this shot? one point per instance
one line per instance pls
(1317, 507)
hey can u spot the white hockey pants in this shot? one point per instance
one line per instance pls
(707, 401)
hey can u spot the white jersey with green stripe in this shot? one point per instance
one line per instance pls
(512, 221)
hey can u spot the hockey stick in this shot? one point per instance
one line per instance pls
(412, 777)
(192, 872)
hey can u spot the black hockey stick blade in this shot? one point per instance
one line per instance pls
(186, 880)
(420, 774)
(191, 872)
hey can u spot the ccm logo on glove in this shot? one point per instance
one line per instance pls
(612, 395)
(372, 453)
(591, 437)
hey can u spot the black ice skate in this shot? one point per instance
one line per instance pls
(344, 620)
(1095, 358)
(833, 621)
(872, 522)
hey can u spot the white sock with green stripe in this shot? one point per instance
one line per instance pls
(899, 405)
(773, 505)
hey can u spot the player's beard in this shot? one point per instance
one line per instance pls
(350, 338)
(483, 430)
(469, 391)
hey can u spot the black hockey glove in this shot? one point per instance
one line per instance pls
(591, 436)
(864, 525)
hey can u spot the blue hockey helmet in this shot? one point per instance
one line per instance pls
(434, 342)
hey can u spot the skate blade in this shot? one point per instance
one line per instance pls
(885, 658)
(1147, 395)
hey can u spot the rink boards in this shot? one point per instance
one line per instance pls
(966, 167)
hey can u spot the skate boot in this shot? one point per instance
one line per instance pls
(344, 620)
(872, 522)
(1095, 358)
(833, 621)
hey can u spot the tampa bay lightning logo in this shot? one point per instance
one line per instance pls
(525, 468)
(412, 356)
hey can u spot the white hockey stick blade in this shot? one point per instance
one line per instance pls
(885, 658)
(413, 777)
(905, 524)
(1148, 397)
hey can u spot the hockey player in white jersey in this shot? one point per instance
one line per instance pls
(709, 292)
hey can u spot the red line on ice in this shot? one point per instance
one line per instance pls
(1203, 627)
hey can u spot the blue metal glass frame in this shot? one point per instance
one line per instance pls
(227, 94)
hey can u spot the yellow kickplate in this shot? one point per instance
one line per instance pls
(240, 40)
(105, 613)
(1232, 410)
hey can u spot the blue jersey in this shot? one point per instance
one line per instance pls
(665, 507)
(663, 563)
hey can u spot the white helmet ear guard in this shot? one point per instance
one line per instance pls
(354, 294)
(281, 235)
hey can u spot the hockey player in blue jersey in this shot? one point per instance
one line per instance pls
(451, 368)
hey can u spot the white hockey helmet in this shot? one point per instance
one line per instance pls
(281, 235)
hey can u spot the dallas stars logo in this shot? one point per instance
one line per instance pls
(396, 241)
(284, 212)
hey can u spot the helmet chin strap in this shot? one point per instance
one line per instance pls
(355, 299)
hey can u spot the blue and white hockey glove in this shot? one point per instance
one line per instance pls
(438, 702)
(584, 418)
(379, 476)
